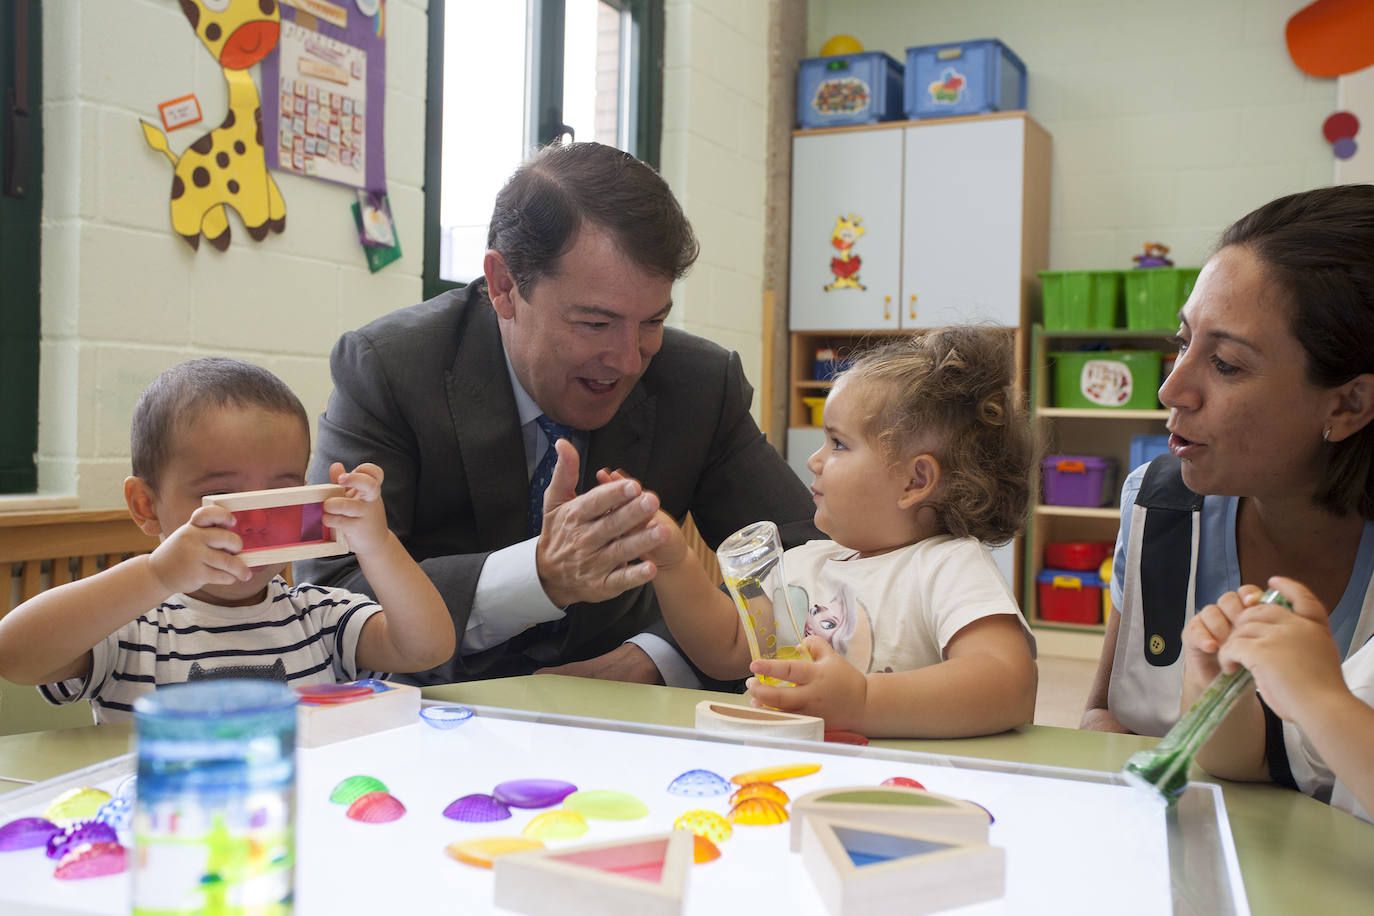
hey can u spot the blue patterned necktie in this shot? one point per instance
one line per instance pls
(543, 472)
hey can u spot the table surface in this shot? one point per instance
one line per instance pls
(1296, 854)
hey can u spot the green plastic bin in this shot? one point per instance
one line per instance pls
(1085, 299)
(1154, 295)
(1107, 379)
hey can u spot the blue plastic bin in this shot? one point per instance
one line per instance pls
(861, 88)
(970, 77)
(1145, 449)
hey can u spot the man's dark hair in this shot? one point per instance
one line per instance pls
(1317, 249)
(549, 198)
(176, 398)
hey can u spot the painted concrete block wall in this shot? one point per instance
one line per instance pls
(123, 297)
(1170, 119)
(715, 98)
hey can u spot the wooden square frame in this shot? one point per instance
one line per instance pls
(279, 497)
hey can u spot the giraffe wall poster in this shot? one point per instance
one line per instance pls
(324, 92)
(226, 169)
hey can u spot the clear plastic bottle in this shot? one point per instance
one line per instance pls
(214, 820)
(751, 564)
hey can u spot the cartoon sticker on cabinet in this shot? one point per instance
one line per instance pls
(949, 88)
(845, 266)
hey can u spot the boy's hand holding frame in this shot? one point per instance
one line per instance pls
(284, 524)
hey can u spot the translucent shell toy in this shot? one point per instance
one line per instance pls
(79, 834)
(606, 805)
(556, 825)
(27, 833)
(354, 788)
(533, 793)
(704, 823)
(758, 812)
(759, 790)
(376, 808)
(91, 860)
(477, 808)
(76, 805)
(118, 812)
(698, 784)
(445, 717)
(703, 850)
(905, 781)
(481, 852)
(776, 773)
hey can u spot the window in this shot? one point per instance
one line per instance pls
(508, 77)
(21, 207)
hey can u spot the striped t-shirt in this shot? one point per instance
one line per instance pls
(303, 634)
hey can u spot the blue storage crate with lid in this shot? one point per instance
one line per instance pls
(861, 88)
(963, 78)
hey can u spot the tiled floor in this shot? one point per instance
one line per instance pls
(1063, 690)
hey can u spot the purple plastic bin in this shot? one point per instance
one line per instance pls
(1079, 480)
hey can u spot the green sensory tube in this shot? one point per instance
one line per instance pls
(1164, 768)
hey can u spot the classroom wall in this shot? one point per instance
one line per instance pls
(715, 98)
(123, 297)
(1170, 119)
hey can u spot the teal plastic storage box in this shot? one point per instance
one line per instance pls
(861, 88)
(1154, 295)
(969, 77)
(1112, 379)
(1079, 299)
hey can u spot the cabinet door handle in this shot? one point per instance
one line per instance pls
(887, 308)
(911, 313)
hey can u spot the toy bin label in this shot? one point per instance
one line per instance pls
(949, 88)
(844, 95)
(1106, 382)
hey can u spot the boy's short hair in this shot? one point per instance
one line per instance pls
(177, 397)
(949, 391)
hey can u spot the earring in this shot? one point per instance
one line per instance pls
(1326, 434)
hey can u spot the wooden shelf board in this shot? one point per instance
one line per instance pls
(1088, 413)
(1108, 512)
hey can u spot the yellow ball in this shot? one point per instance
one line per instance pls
(841, 44)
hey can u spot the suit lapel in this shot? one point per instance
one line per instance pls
(625, 442)
(485, 422)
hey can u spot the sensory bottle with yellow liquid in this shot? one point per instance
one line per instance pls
(751, 563)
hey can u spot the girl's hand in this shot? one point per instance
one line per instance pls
(673, 548)
(1204, 635)
(201, 552)
(359, 513)
(1291, 654)
(828, 687)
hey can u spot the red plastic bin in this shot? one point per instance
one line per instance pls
(1077, 554)
(1069, 596)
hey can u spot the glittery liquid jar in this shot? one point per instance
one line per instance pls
(751, 564)
(215, 812)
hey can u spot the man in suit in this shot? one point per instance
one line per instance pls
(491, 408)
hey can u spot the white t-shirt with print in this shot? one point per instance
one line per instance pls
(304, 634)
(899, 609)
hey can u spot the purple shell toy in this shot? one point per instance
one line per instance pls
(27, 833)
(533, 793)
(79, 834)
(476, 809)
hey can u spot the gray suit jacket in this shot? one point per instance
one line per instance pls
(424, 393)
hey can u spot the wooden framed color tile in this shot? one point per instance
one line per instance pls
(727, 718)
(634, 876)
(858, 868)
(894, 807)
(283, 525)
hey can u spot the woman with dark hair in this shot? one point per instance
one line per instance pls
(1270, 450)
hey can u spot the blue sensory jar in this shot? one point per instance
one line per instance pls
(215, 811)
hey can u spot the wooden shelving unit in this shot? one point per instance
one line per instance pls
(1079, 431)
